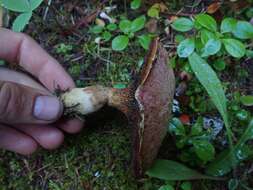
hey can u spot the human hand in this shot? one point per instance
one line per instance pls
(28, 110)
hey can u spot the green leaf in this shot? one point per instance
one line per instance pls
(219, 64)
(197, 127)
(233, 184)
(222, 164)
(16, 5)
(212, 47)
(186, 48)
(119, 86)
(209, 80)
(206, 35)
(182, 24)
(174, 171)
(106, 35)
(228, 25)
(138, 23)
(247, 100)
(153, 12)
(135, 4)
(243, 30)
(96, 29)
(249, 53)
(21, 21)
(234, 47)
(35, 4)
(144, 40)
(176, 127)
(111, 27)
(125, 26)
(186, 185)
(207, 22)
(166, 187)
(204, 150)
(120, 42)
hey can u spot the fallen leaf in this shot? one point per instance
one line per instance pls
(213, 7)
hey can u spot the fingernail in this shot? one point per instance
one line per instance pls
(47, 108)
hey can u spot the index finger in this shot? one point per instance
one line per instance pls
(23, 50)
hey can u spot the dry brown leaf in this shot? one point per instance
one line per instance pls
(213, 7)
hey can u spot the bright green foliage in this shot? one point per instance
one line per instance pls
(228, 25)
(25, 7)
(206, 35)
(145, 40)
(212, 47)
(247, 100)
(138, 24)
(120, 42)
(234, 47)
(125, 26)
(96, 29)
(207, 22)
(111, 27)
(171, 170)
(186, 48)
(204, 150)
(243, 30)
(219, 64)
(182, 24)
(20, 22)
(135, 4)
(154, 11)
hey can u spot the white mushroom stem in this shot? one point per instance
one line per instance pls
(85, 100)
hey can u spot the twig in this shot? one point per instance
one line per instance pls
(46, 11)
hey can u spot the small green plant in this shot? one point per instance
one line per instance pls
(124, 31)
(209, 41)
(24, 7)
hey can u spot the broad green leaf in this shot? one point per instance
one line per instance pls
(176, 127)
(212, 47)
(135, 4)
(16, 5)
(222, 164)
(35, 4)
(228, 25)
(206, 35)
(204, 150)
(234, 47)
(21, 21)
(182, 24)
(243, 30)
(125, 26)
(120, 42)
(174, 171)
(186, 48)
(209, 80)
(144, 40)
(138, 23)
(111, 27)
(166, 187)
(206, 21)
(247, 100)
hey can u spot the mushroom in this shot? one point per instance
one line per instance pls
(147, 104)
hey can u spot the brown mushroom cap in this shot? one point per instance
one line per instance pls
(147, 104)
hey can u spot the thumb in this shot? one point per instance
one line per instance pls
(20, 104)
